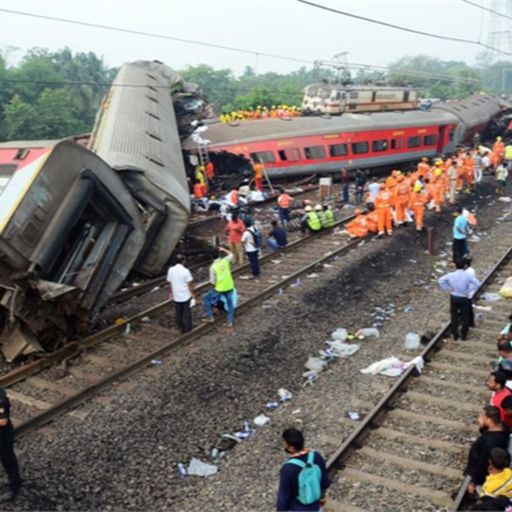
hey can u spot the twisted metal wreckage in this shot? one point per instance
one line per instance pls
(74, 221)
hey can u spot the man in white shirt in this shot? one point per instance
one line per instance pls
(373, 190)
(250, 241)
(182, 291)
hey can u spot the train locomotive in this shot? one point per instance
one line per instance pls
(308, 145)
(74, 221)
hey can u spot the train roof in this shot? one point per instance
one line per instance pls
(221, 134)
(27, 144)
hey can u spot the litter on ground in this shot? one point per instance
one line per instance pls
(392, 366)
(198, 468)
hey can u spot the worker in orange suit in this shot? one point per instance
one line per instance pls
(258, 175)
(391, 180)
(383, 203)
(209, 170)
(358, 228)
(498, 150)
(469, 171)
(423, 167)
(438, 188)
(372, 220)
(401, 198)
(417, 205)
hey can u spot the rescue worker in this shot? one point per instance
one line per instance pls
(358, 228)
(209, 170)
(372, 220)
(383, 206)
(329, 217)
(438, 188)
(423, 167)
(508, 155)
(258, 175)
(201, 178)
(417, 203)
(401, 198)
(310, 221)
(498, 152)
(224, 285)
(7, 455)
(320, 212)
(469, 170)
(501, 179)
(284, 202)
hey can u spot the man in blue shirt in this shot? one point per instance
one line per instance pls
(279, 236)
(460, 231)
(461, 285)
(288, 493)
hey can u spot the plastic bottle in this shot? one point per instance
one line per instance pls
(182, 469)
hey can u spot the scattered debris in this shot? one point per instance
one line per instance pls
(412, 341)
(354, 416)
(506, 289)
(284, 394)
(339, 334)
(261, 420)
(368, 332)
(156, 362)
(490, 297)
(392, 366)
(198, 468)
(145, 319)
(271, 405)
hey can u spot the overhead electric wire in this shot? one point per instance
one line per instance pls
(154, 35)
(404, 29)
(404, 72)
(492, 11)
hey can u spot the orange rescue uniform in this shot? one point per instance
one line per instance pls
(402, 193)
(383, 203)
(358, 228)
(417, 205)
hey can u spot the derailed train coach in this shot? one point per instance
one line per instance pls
(307, 145)
(74, 222)
(136, 133)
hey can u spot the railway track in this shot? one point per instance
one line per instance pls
(150, 284)
(57, 383)
(412, 446)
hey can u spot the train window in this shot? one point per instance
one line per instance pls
(354, 95)
(429, 140)
(265, 157)
(314, 152)
(289, 154)
(338, 150)
(358, 148)
(379, 145)
(21, 154)
(414, 142)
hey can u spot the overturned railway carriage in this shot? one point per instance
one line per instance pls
(69, 234)
(137, 135)
(290, 147)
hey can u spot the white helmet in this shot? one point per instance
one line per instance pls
(308, 208)
(318, 208)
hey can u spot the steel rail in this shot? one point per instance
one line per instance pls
(78, 347)
(202, 329)
(372, 421)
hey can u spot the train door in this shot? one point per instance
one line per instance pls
(441, 139)
(406, 96)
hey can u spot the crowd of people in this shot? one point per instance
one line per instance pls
(261, 112)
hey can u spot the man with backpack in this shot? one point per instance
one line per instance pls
(303, 478)
(251, 240)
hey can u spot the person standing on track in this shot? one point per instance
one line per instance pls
(251, 240)
(460, 232)
(383, 203)
(501, 178)
(7, 455)
(182, 292)
(284, 202)
(461, 285)
(373, 190)
(303, 479)
(345, 184)
(235, 229)
(224, 285)
(360, 182)
(417, 205)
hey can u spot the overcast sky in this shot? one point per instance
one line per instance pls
(285, 27)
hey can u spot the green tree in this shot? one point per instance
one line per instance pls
(19, 119)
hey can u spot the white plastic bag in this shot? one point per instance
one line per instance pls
(343, 349)
(506, 289)
(368, 332)
(315, 364)
(339, 334)
(412, 341)
(198, 468)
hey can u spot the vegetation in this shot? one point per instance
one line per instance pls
(55, 94)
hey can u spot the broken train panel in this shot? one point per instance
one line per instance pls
(137, 135)
(69, 234)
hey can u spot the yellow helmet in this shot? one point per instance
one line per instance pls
(438, 163)
(201, 167)
(498, 139)
(438, 172)
(417, 187)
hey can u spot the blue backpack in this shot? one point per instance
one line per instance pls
(309, 479)
(256, 236)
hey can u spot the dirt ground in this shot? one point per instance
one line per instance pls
(124, 455)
